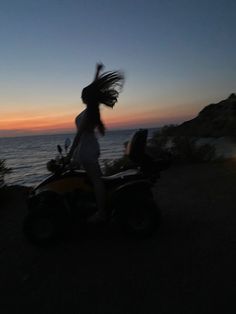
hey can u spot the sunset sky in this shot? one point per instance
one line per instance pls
(178, 56)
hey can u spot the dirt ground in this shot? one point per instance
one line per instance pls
(187, 267)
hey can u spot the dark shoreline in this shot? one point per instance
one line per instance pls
(187, 267)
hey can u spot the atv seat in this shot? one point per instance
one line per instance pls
(136, 152)
(122, 175)
(136, 147)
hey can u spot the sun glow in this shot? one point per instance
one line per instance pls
(120, 117)
(37, 124)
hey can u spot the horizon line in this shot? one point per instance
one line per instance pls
(72, 133)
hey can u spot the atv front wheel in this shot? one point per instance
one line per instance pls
(41, 228)
(47, 219)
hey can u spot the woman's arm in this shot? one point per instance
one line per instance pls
(74, 145)
(99, 67)
(77, 138)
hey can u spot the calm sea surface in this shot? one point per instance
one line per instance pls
(27, 156)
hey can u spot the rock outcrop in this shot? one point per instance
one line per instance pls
(215, 120)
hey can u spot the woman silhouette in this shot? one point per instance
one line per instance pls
(85, 149)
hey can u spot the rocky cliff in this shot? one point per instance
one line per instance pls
(215, 120)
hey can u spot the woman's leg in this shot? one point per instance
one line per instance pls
(94, 173)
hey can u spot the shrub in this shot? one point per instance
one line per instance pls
(159, 144)
(164, 144)
(186, 149)
(3, 171)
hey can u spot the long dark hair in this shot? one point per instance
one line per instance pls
(103, 90)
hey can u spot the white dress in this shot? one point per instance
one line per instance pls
(88, 149)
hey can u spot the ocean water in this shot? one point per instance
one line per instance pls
(28, 155)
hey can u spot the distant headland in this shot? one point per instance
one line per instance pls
(214, 120)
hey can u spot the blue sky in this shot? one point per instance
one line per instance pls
(178, 56)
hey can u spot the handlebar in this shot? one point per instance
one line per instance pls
(59, 165)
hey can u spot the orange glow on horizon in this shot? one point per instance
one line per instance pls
(128, 117)
(134, 119)
(37, 124)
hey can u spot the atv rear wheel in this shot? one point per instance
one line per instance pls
(141, 218)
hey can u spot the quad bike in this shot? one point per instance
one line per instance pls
(67, 197)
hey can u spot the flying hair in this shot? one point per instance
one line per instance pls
(105, 88)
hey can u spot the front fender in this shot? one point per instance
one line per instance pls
(50, 201)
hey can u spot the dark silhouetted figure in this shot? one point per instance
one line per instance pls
(85, 149)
